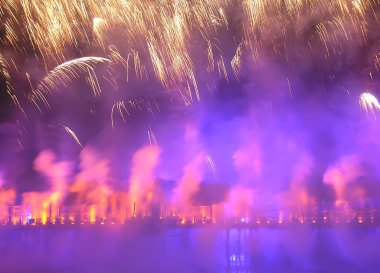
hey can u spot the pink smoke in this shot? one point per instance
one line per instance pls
(57, 172)
(193, 170)
(341, 174)
(143, 178)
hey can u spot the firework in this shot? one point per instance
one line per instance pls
(369, 103)
(73, 135)
(161, 32)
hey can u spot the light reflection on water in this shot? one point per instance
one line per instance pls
(190, 250)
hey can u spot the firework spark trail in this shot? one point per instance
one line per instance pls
(65, 73)
(236, 62)
(212, 166)
(99, 30)
(369, 103)
(120, 106)
(167, 23)
(4, 72)
(161, 31)
(152, 138)
(8, 86)
(73, 135)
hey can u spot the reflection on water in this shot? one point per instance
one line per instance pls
(190, 250)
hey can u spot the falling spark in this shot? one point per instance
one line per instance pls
(236, 62)
(157, 34)
(289, 88)
(122, 109)
(73, 135)
(369, 103)
(212, 166)
(63, 74)
(152, 137)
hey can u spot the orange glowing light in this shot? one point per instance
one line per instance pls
(92, 214)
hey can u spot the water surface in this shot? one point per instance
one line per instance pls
(205, 249)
